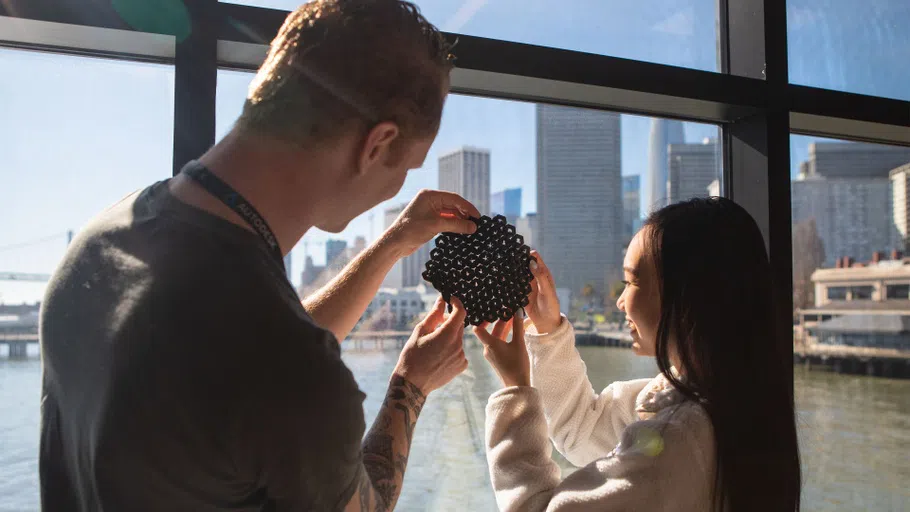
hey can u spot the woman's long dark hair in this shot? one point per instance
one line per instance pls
(717, 313)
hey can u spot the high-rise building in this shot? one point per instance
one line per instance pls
(287, 266)
(310, 272)
(579, 195)
(334, 249)
(845, 187)
(631, 206)
(508, 203)
(900, 194)
(853, 160)
(527, 226)
(663, 133)
(360, 243)
(407, 271)
(692, 168)
(466, 172)
(853, 216)
(413, 266)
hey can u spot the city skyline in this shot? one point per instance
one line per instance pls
(131, 107)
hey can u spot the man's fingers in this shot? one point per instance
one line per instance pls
(450, 224)
(456, 317)
(434, 317)
(448, 201)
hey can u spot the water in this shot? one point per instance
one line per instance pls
(854, 431)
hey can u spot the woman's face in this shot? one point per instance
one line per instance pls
(640, 300)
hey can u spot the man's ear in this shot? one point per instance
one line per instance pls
(377, 145)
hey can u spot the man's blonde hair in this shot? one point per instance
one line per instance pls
(339, 62)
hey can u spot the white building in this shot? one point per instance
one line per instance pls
(394, 308)
(466, 172)
(900, 194)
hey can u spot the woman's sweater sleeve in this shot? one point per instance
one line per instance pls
(583, 424)
(656, 466)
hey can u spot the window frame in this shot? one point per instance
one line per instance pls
(750, 98)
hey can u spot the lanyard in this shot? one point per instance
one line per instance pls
(230, 197)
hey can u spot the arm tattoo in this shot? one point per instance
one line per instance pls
(387, 446)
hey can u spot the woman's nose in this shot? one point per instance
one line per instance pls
(620, 303)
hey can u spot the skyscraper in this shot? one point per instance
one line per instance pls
(466, 172)
(579, 195)
(527, 226)
(506, 202)
(287, 265)
(631, 206)
(407, 271)
(663, 133)
(853, 159)
(692, 168)
(334, 249)
(845, 187)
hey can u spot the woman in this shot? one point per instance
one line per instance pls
(714, 430)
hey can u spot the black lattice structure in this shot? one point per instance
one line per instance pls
(487, 270)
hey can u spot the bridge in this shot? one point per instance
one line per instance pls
(23, 276)
(18, 344)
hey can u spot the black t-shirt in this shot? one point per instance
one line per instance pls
(181, 372)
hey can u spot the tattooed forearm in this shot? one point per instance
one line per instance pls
(388, 444)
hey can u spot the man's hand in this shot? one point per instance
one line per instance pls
(508, 358)
(431, 212)
(543, 305)
(435, 353)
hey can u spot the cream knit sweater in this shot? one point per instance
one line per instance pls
(642, 445)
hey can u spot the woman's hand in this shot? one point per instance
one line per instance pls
(508, 358)
(543, 306)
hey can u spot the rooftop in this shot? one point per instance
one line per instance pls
(466, 149)
(896, 306)
(886, 269)
(884, 324)
(902, 169)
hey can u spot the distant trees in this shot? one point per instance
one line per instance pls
(808, 255)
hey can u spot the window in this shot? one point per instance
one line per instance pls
(898, 291)
(674, 32)
(861, 292)
(837, 293)
(850, 46)
(849, 226)
(78, 134)
(602, 171)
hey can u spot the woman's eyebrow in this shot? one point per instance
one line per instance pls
(631, 270)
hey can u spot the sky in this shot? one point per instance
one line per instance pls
(78, 133)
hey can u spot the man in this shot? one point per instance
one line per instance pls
(181, 371)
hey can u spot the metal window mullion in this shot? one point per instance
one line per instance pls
(757, 148)
(195, 82)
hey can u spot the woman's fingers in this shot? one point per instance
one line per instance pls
(501, 328)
